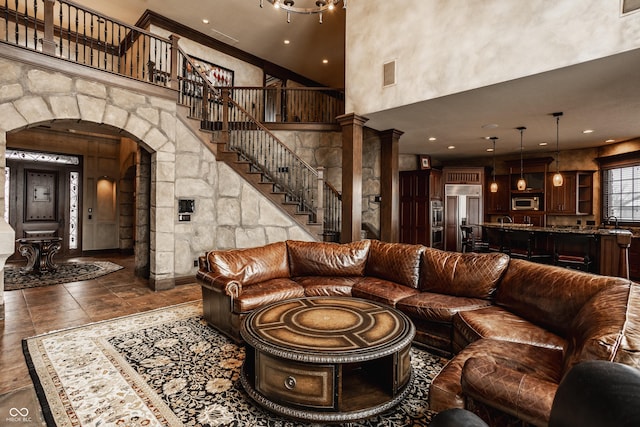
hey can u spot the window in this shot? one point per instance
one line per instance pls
(621, 192)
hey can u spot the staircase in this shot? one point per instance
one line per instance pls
(248, 147)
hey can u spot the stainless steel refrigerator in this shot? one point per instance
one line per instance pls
(462, 206)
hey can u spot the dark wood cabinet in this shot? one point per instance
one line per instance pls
(498, 203)
(634, 259)
(562, 200)
(573, 197)
(415, 206)
(435, 184)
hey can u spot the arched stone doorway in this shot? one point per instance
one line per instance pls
(106, 215)
(145, 115)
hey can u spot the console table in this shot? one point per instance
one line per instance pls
(39, 252)
(327, 359)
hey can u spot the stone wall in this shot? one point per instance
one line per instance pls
(229, 213)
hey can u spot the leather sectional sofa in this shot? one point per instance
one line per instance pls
(512, 328)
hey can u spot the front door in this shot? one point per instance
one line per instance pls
(43, 214)
(39, 202)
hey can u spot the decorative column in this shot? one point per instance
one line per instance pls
(352, 125)
(389, 192)
(7, 247)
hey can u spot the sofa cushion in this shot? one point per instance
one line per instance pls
(497, 323)
(315, 286)
(267, 292)
(395, 262)
(446, 389)
(249, 266)
(437, 307)
(607, 328)
(470, 275)
(547, 295)
(381, 290)
(522, 393)
(327, 259)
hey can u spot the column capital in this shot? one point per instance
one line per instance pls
(393, 134)
(351, 119)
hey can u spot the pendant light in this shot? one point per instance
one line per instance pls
(557, 177)
(522, 184)
(494, 185)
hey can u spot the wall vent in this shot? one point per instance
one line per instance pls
(389, 73)
(629, 6)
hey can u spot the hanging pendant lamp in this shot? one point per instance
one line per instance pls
(522, 184)
(494, 185)
(557, 177)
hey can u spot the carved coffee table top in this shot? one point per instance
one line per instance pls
(328, 329)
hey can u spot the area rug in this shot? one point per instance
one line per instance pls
(65, 273)
(167, 367)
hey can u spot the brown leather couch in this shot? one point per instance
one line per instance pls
(514, 326)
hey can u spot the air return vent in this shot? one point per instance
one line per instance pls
(629, 6)
(389, 71)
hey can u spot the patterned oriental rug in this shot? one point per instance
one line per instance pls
(66, 272)
(167, 367)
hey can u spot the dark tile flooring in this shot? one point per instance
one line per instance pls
(34, 311)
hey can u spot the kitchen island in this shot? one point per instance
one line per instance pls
(597, 250)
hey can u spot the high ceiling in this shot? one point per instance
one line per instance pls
(603, 95)
(259, 31)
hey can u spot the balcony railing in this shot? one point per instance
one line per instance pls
(82, 35)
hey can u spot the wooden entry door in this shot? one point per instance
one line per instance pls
(42, 211)
(39, 203)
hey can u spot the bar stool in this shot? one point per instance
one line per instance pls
(574, 251)
(470, 243)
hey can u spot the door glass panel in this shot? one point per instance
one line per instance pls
(74, 202)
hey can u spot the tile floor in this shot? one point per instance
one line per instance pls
(35, 311)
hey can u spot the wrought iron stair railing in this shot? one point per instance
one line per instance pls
(245, 135)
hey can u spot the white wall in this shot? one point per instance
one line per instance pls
(443, 47)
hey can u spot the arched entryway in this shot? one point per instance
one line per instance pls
(64, 179)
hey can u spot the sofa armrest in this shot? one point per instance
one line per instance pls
(230, 287)
(516, 393)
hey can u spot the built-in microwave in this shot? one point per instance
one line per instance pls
(525, 203)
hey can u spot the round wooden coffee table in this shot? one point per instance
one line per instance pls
(327, 359)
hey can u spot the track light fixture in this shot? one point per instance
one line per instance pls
(307, 7)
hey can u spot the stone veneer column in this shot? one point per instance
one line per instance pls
(7, 247)
(352, 125)
(142, 215)
(389, 177)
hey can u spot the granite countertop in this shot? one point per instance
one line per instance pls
(604, 231)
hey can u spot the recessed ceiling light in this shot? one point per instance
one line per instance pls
(489, 126)
(432, 138)
(543, 144)
(451, 147)
(287, 42)
(587, 131)
(610, 140)
(489, 149)
(205, 21)
(325, 61)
